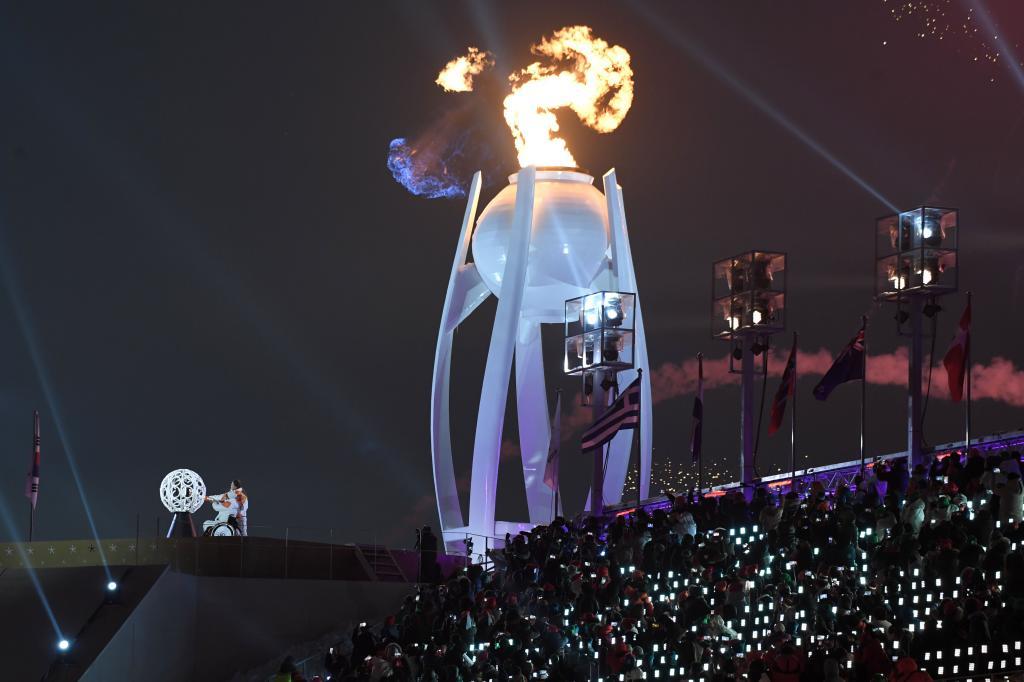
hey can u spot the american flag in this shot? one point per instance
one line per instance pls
(624, 413)
(32, 482)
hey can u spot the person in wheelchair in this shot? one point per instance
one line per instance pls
(232, 510)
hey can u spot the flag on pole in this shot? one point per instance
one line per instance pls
(32, 482)
(786, 388)
(624, 413)
(697, 435)
(551, 468)
(955, 359)
(849, 366)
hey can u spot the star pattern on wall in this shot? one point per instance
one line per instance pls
(84, 553)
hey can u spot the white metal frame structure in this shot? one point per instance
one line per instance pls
(516, 335)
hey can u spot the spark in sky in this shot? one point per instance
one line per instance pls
(955, 24)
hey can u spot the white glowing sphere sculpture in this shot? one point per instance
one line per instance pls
(182, 490)
(568, 244)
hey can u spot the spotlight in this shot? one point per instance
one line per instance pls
(737, 353)
(930, 227)
(111, 586)
(63, 645)
(901, 316)
(758, 348)
(931, 309)
(613, 312)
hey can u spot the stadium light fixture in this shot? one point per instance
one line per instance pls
(748, 305)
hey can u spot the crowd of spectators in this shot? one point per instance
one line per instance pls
(907, 575)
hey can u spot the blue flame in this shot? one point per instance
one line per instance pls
(426, 172)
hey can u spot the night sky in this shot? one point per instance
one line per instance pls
(207, 264)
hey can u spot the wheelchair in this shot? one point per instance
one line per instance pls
(223, 526)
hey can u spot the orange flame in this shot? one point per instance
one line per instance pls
(457, 75)
(587, 75)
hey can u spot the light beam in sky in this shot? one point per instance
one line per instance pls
(679, 38)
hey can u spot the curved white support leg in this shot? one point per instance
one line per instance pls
(494, 394)
(534, 424)
(624, 278)
(459, 301)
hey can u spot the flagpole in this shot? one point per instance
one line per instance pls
(640, 450)
(558, 467)
(700, 459)
(967, 361)
(863, 390)
(34, 476)
(792, 420)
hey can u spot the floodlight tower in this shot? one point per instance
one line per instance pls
(915, 263)
(599, 343)
(748, 305)
(547, 237)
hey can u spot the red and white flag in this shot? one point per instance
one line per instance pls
(956, 357)
(32, 482)
(551, 468)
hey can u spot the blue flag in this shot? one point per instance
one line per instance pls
(849, 366)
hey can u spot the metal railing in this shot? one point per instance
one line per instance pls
(482, 545)
(267, 552)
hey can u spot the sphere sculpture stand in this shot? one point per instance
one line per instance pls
(181, 526)
(182, 492)
(548, 237)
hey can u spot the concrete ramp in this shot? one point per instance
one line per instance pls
(189, 609)
(208, 628)
(79, 601)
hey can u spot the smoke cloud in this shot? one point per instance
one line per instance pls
(440, 161)
(998, 380)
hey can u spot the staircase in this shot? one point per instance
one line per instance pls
(382, 565)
